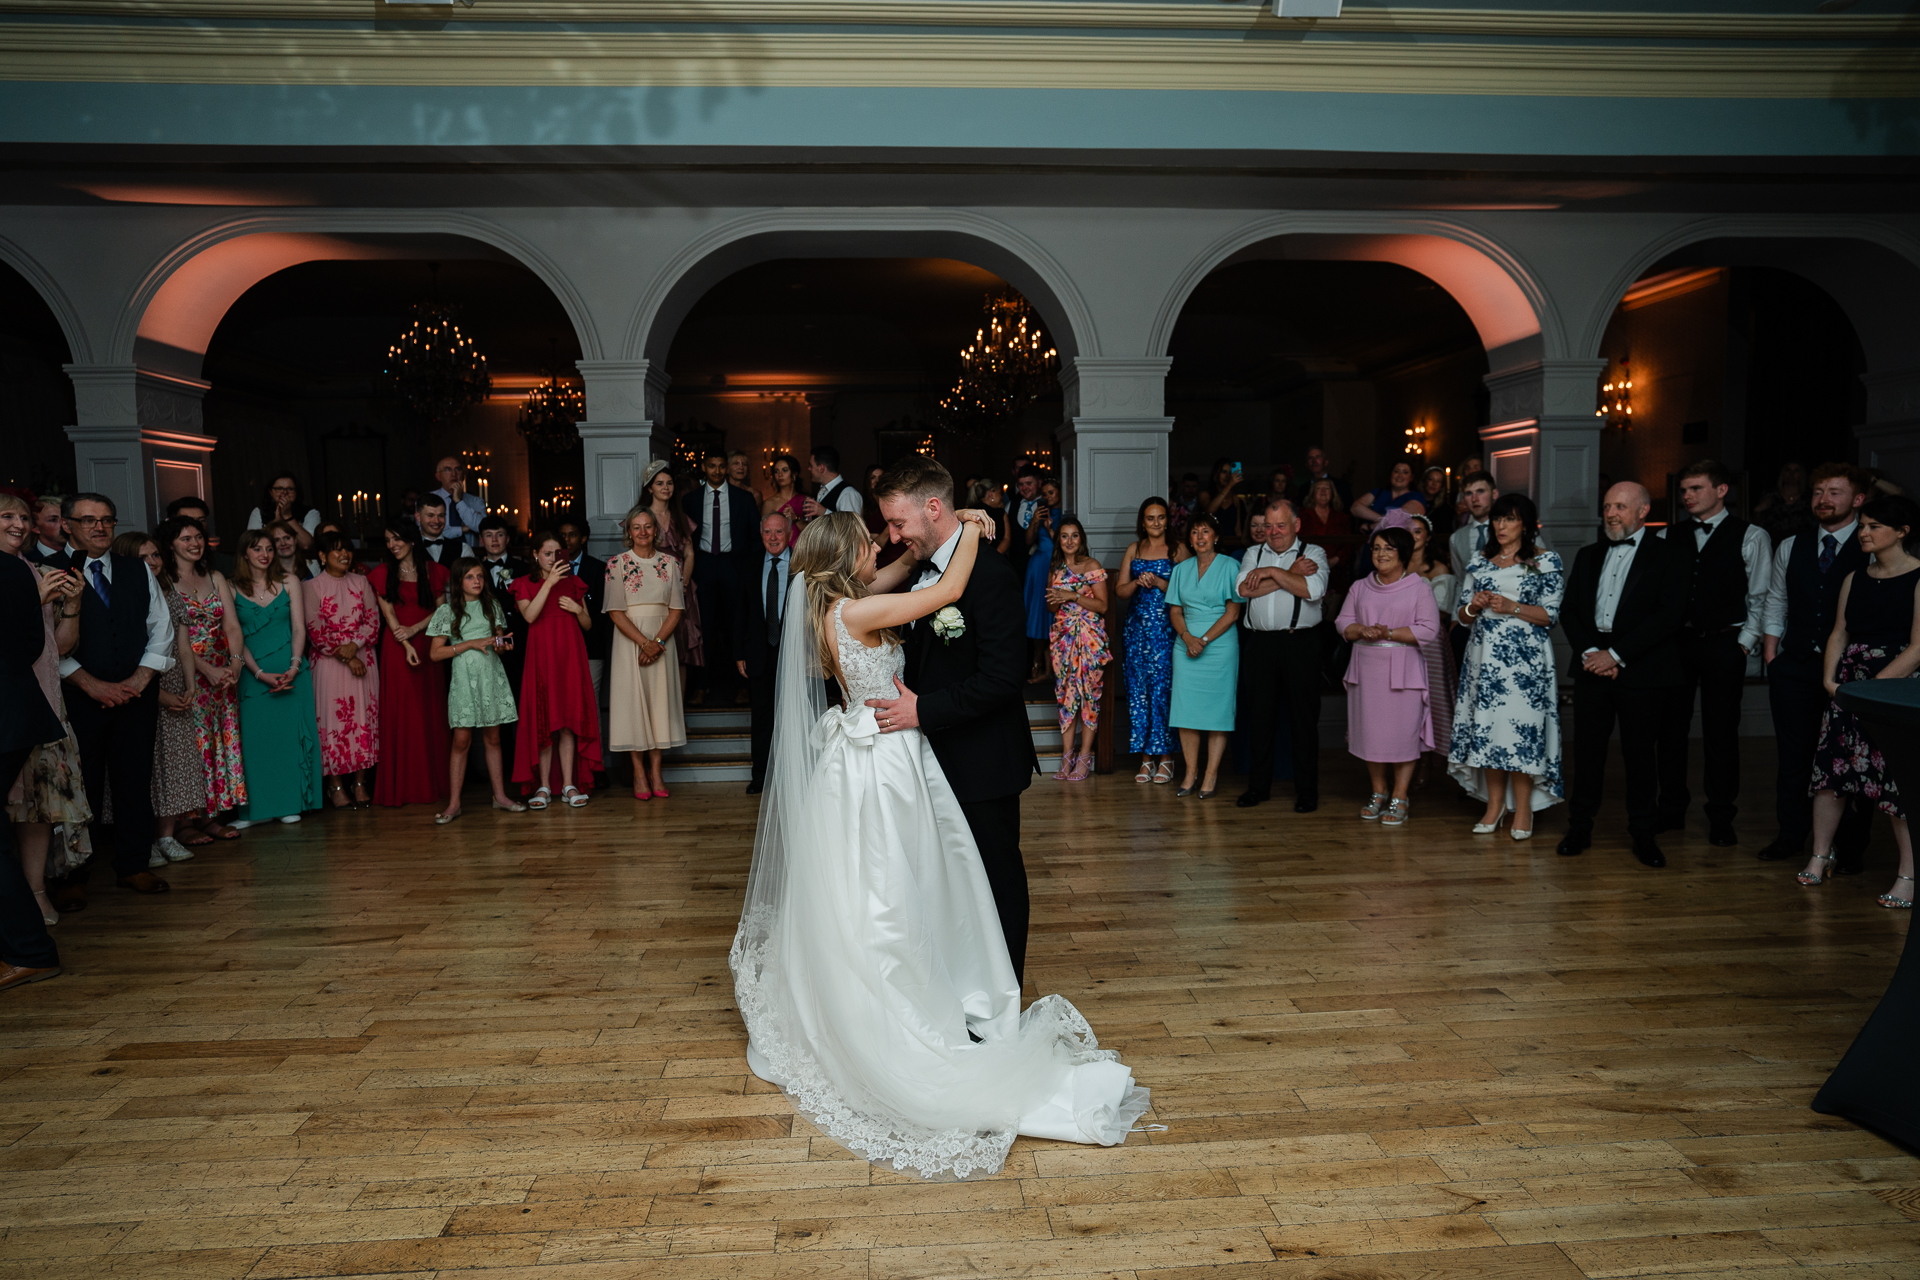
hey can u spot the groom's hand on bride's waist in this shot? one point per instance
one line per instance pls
(902, 712)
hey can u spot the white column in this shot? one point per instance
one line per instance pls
(624, 399)
(1890, 437)
(1113, 444)
(140, 439)
(1543, 440)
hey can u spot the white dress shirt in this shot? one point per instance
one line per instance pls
(931, 571)
(785, 562)
(1613, 580)
(850, 499)
(312, 520)
(158, 655)
(498, 573)
(464, 516)
(1754, 555)
(709, 498)
(1282, 610)
(48, 552)
(1773, 615)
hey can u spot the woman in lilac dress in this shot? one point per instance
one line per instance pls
(1388, 616)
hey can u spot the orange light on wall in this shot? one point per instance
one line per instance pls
(1417, 441)
(1616, 396)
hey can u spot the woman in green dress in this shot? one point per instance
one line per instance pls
(470, 631)
(279, 734)
(1206, 651)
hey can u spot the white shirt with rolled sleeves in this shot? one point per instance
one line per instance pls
(158, 654)
(1275, 611)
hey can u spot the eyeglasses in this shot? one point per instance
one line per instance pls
(283, 488)
(90, 522)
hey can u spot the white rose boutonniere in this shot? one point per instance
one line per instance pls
(948, 623)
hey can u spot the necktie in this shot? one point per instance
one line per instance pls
(106, 596)
(1480, 536)
(1829, 548)
(773, 600)
(717, 495)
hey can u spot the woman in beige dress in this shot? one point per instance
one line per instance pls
(645, 599)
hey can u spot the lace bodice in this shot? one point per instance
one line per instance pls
(866, 673)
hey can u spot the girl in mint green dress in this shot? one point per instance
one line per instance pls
(469, 631)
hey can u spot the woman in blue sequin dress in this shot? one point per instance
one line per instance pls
(1144, 572)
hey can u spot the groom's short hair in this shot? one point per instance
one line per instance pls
(916, 476)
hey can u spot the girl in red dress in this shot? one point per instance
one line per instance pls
(413, 735)
(557, 706)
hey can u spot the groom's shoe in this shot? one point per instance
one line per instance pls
(753, 788)
(1306, 802)
(1248, 799)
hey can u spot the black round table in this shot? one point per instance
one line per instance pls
(1873, 1085)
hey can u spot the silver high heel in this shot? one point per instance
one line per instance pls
(1892, 903)
(1809, 879)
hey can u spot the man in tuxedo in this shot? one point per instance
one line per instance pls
(1625, 605)
(48, 545)
(502, 569)
(126, 640)
(27, 721)
(1727, 563)
(726, 547)
(431, 516)
(967, 693)
(1803, 596)
(758, 616)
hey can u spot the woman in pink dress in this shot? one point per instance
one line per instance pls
(1388, 617)
(342, 623)
(559, 714)
(786, 498)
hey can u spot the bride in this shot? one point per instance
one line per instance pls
(869, 965)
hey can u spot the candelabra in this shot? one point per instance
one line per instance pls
(1616, 397)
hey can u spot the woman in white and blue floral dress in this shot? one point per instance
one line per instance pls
(1506, 725)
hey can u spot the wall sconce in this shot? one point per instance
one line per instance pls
(1616, 397)
(1417, 440)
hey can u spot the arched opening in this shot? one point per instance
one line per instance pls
(40, 400)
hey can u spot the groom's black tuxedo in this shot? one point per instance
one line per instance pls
(973, 712)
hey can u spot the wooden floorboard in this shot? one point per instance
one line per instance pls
(506, 1049)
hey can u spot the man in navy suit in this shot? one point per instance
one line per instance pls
(758, 619)
(726, 544)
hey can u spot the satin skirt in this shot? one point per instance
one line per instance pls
(886, 953)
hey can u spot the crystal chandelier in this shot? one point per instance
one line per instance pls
(434, 368)
(547, 418)
(1616, 397)
(1008, 363)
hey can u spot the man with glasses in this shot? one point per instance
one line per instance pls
(465, 511)
(126, 639)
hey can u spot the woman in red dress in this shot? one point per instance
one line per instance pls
(557, 705)
(413, 691)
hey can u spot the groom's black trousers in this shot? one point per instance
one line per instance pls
(996, 830)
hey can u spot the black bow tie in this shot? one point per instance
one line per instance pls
(1622, 542)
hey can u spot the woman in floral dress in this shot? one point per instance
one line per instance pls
(213, 637)
(1145, 570)
(1077, 594)
(343, 621)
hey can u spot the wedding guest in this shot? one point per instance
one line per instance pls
(832, 491)
(287, 550)
(464, 508)
(645, 600)
(591, 571)
(739, 474)
(311, 558)
(1223, 501)
(559, 713)
(1399, 492)
(1728, 563)
(1788, 509)
(786, 499)
(1386, 617)
(1433, 496)
(407, 588)
(126, 640)
(470, 631)
(48, 791)
(1626, 603)
(1145, 571)
(1803, 598)
(197, 509)
(1186, 501)
(1441, 686)
(1505, 745)
(758, 617)
(47, 545)
(1284, 582)
(138, 544)
(1478, 492)
(1279, 485)
(1876, 637)
(27, 721)
(178, 790)
(205, 608)
(993, 500)
(1040, 543)
(1020, 516)
(279, 726)
(503, 569)
(1318, 469)
(282, 504)
(676, 539)
(1324, 522)
(1077, 597)
(1203, 608)
(443, 547)
(1257, 528)
(343, 622)
(726, 524)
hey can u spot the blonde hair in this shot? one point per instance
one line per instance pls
(626, 525)
(14, 502)
(828, 555)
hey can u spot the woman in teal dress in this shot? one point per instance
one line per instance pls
(279, 733)
(1206, 651)
(470, 631)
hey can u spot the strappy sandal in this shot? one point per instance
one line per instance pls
(1396, 814)
(1146, 772)
(338, 795)
(1376, 805)
(1892, 903)
(573, 797)
(540, 799)
(1164, 773)
(1809, 879)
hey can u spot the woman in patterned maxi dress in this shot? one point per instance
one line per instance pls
(1145, 570)
(342, 623)
(1077, 594)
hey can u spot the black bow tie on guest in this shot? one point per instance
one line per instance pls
(1627, 541)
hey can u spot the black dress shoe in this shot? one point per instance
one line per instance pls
(1720, 835)
(1573, 845)
(1248, 799)
(1783, 849)
(1306, 804)
(1663, 825)
(1648, 852)
(753, 788)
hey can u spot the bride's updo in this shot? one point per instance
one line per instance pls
(828, 556)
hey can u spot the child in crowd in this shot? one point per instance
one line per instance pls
(469, 631)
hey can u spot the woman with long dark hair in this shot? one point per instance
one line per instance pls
(202, 599)
(1077, 597)
(343, 621)
(468, 632)
(408, 587)
(1145, 570)
(279, 732)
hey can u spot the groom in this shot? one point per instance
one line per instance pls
(966, 692)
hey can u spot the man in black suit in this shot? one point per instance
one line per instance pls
(27, 953)
(502, 569)
(726, 547)
(1625, 606)
(758, 616)
(967, 693)
(431, 516)
(47, 544)
(126, 640)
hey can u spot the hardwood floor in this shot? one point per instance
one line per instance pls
(365, 1045)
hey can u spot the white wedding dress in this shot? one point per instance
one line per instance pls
(870, 947)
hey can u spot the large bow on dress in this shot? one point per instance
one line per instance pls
(857, 725)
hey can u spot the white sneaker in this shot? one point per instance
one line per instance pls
(155, 858)
(175, 851)
(241, 824)
(292, 817)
